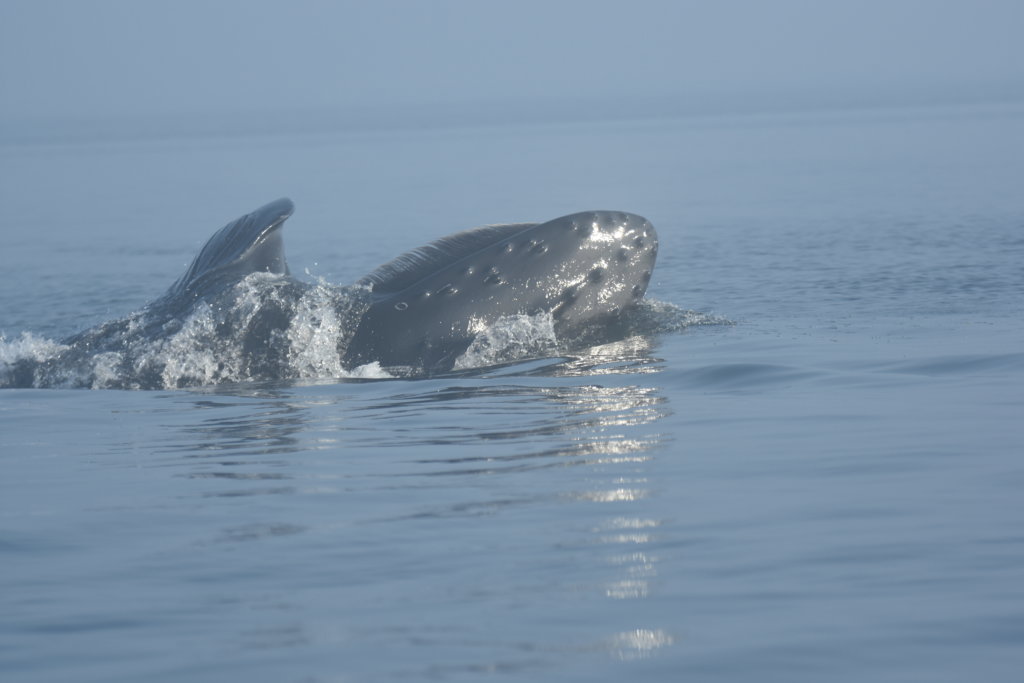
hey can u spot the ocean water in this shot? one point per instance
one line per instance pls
(809, 469)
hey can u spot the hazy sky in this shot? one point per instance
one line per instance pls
(99, 58)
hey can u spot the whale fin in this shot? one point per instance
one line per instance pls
(413, 266)
(250, 244)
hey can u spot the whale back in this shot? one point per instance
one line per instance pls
(411, 267)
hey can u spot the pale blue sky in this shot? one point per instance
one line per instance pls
(109, 58)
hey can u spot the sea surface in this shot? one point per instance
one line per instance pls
(818, 477)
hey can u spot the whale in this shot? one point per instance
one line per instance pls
(415, 315)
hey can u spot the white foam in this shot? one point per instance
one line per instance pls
(513, 337)
(269, 327)
(28, 346)
(189, 356)
(106, 370)
(313, 336)
(369, 371)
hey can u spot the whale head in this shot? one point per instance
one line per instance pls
(585, 269)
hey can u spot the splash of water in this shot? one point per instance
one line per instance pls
(271, 328)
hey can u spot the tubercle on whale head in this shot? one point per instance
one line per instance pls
(618, 256)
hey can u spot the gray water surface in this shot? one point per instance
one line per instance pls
(820, 483)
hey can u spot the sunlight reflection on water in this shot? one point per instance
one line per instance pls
(381, 458)
(639, 643)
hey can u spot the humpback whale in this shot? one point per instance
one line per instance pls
(415, 315)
